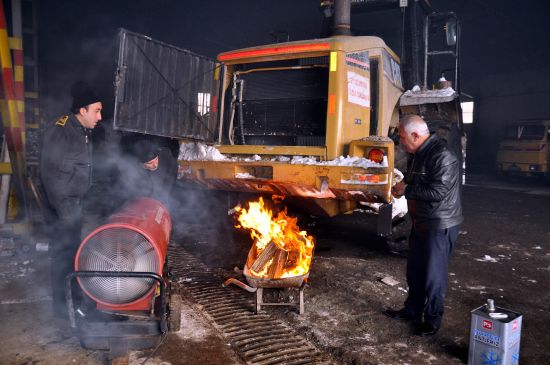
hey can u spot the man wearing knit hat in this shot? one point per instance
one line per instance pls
(159, 172)
(66, 172)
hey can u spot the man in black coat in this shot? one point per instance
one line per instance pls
(159, 171)
(66, 172)
(432, 189)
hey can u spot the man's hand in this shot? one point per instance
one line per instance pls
(398, 189)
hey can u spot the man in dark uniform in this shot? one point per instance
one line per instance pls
(66, 172)
(432, 189)
(159, 168)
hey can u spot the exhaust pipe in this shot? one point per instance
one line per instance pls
(342, 16)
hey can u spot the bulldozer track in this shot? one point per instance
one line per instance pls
(257, 338)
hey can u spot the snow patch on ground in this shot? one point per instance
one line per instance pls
(135, 358)
(430, 357)
(193, 326)
(487, 258)
(365, 337)
(477, 287)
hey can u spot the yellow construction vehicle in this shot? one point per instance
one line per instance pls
(310, 120)
(319, 106)
(524, 149)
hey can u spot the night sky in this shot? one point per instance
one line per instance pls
(78, 39)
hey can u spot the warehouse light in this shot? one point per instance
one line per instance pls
(467, 112)
(203, 103)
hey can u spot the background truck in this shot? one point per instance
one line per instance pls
(524, 149)
(311, 120)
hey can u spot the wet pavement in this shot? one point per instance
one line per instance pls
(533, 185)
(503, 253)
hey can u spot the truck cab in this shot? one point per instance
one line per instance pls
(524, 150)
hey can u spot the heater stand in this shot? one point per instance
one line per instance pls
(117, 333)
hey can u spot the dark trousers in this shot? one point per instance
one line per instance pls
(427, 272)
(64, 242)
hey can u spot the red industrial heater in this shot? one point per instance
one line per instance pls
(121, 268)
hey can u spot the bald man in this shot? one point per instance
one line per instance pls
(432, 189)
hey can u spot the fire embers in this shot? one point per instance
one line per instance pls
(280, 249)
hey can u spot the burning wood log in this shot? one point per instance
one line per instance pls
(273, 262)
(264, 257)
(277, 266)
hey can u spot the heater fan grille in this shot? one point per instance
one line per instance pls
(118, 249)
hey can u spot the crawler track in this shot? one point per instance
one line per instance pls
(258, 338)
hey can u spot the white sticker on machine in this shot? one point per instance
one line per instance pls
(358, 89)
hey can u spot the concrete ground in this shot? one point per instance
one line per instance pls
(503, 253)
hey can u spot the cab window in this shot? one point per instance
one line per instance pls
(526, 132)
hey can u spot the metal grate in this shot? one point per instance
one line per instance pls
(118, 249)
(258, 338)
(283, 103)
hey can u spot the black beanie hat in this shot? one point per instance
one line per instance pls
(82, 95)
(145, 150)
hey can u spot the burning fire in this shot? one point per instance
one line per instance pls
(284, 233)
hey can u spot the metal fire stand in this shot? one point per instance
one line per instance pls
(300, 304)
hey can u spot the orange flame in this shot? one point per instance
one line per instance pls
(282, 231)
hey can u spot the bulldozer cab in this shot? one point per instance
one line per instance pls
(306, 119)
(296, 95)
(309, 97)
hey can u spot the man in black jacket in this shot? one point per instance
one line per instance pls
(432, 189)
(66, 172)
(159, 173)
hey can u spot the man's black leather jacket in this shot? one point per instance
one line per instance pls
(433, 186)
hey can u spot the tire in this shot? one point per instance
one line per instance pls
(398, 240)
(174, 313)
